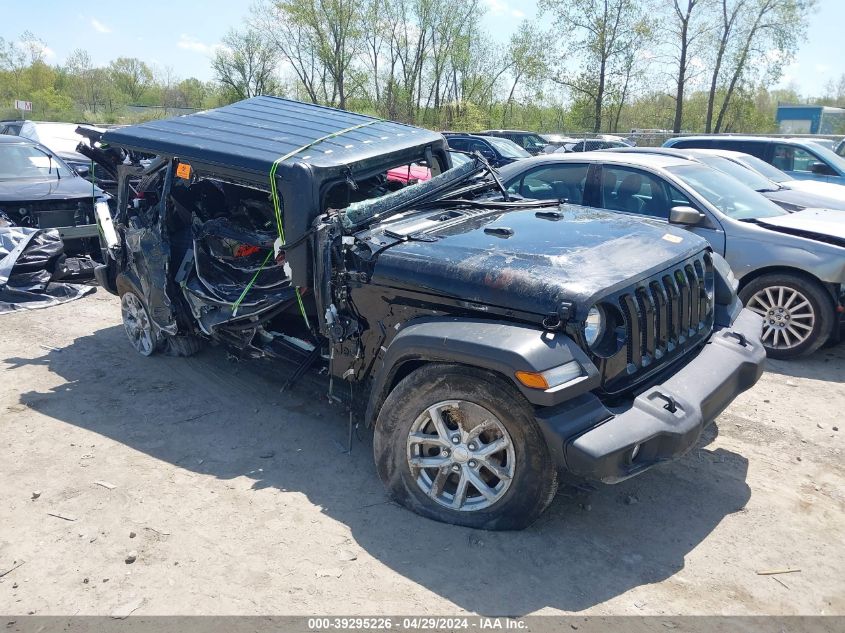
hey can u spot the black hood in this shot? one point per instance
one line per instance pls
(74, 158)
(520, 259)
(67, 187)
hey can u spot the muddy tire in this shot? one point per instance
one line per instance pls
(460, 445)
(798, 314)
(182, 345)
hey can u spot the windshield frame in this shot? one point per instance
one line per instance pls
(58, 169)
(715, 186)
(360, 214)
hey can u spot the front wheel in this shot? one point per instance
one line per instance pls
(797, 313)
(460, 445)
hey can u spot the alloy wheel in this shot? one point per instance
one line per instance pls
(461, 455)
(137, 324)
(788, 316)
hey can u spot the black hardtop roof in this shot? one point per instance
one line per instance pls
(251, 135)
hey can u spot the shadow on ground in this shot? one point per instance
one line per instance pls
(825, 364)
(589, 547)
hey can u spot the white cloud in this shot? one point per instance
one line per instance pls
(501, 7)
(190, 43)
(99, 26)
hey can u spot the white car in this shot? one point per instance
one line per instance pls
(816, 187)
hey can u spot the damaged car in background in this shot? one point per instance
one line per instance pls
(33, 269)
(39, 191)
(487, 359)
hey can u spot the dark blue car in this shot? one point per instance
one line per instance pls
(497, 151)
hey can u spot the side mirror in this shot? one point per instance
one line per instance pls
(822, 169)
(83, 170)
(685, 215)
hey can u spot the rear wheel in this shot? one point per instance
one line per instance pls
(137, 324)
(145, 337)
(182, 345)
(797, 313)
(460, 445)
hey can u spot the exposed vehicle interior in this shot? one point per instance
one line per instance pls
(220, 239)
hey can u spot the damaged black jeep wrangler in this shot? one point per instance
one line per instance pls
(491, 341)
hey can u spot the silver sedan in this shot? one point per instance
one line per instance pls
(790, 266)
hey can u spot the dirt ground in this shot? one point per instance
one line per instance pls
(237, 499)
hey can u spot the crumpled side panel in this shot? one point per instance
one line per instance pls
(149, 257)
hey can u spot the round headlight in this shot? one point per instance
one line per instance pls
(593, 326)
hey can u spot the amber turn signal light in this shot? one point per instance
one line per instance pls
(532, 380)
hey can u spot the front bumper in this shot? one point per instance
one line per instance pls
(664, 422)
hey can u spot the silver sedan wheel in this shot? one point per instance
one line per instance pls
(461, 455)
(137, 324)
(788, 316)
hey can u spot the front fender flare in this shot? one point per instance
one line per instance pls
(503, 347)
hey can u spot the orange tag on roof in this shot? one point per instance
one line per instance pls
(183, 170)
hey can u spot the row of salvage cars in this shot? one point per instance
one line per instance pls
(566, 315)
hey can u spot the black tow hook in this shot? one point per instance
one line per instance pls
(740, 337)
(671, 405)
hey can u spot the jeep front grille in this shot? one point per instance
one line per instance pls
(663, 316)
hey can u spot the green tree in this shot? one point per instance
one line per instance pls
(730, 12)
(527, 60)
(328, 33)
(191, 93)
(599, 34)
(246, 64)
(689, 26)
(130, 76)
(769, 39)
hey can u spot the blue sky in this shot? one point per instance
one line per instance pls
(181, 34)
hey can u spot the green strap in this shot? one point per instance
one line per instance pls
(274, 194)
(237, 303)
